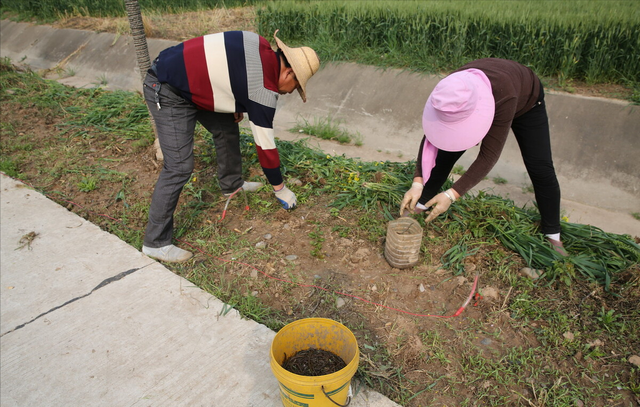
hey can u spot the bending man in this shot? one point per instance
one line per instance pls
(214, 80)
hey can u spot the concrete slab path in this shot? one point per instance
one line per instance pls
(88, 320)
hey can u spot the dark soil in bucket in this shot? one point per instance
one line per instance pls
(313, 362)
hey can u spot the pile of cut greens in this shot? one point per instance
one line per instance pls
(594, 254)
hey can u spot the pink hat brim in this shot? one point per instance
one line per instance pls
(463, 134)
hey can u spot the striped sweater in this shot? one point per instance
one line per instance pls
(235, 71)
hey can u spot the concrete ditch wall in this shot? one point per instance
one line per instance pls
(596, 142)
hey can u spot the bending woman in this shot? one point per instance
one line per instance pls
(479, 103)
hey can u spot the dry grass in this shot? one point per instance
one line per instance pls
(177, 27)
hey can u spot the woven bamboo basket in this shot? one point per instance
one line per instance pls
(402, 247)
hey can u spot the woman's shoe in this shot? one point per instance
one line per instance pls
(558, 247)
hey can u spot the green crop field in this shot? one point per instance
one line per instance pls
(594, 41)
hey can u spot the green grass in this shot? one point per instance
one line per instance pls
(317, 238)
(326, 129)
(458, 170)
(88, 184)
(499, 181)
(9, 167)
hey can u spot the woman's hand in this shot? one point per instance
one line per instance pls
(441, 203)
(411, 197)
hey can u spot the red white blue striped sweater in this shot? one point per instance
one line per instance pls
(234, 71)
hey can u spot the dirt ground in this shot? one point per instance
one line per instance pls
(413, 316)
(317, 263)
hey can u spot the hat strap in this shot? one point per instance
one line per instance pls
(429, 153)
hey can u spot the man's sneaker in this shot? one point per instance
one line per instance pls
(247, 187)
(170, 253)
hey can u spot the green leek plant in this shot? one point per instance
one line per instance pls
(594, 254)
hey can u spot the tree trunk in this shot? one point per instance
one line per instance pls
(142, 54)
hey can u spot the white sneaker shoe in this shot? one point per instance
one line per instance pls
(248, 187)
(170, 253)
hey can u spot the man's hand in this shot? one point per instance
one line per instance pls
(411, 197)
(286, 197)
(237, 117)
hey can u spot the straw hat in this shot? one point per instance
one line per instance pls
(459, 111)
(304, 62)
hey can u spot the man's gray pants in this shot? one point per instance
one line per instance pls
(175, 122)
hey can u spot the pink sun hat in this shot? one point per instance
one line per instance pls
(459, 111)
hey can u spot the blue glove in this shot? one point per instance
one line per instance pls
(286, 197)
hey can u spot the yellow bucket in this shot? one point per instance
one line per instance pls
(315, 391)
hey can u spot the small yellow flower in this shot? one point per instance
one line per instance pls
(194, 179)
(328, 156)
(565, 219)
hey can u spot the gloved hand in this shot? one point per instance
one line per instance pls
(286, 197)
(440, 203)
(411, 197)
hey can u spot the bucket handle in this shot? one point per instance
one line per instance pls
(329, 397)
